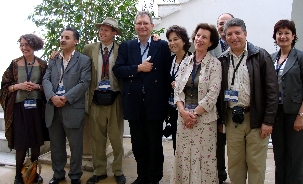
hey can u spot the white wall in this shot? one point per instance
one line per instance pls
(297, 17)
(258, 15)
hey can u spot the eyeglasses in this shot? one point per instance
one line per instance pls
(24, 45)
(141, 23)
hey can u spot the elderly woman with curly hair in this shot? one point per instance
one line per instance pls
(288, 129)
(23, 104)
(196, 91)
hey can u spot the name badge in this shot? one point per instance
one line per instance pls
(280, 97)
(30, 104)
(171, 102)
(60, 91)
(231, 96)
(104, 85)
(190, 107)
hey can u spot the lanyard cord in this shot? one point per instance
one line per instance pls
(278, 67)
(235, 69)
(145, 49)
(28, 75)
(173, 73)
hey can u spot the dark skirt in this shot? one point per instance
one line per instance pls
(27, 126)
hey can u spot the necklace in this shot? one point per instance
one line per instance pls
(30, 63)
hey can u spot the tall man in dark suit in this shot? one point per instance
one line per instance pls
(221, 136)
(65, 83)
(144, 96)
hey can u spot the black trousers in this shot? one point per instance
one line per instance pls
(288, 149)
(221, 142)
(146, 137)
(173, 113)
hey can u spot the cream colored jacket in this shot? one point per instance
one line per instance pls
(208, 88)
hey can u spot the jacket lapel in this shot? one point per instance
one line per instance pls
(153, 49)
(59, 64)
(136, 52)
(290, 61)
(72, 61)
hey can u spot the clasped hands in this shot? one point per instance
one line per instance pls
(27, 86)
(189, 118)
(59, 101)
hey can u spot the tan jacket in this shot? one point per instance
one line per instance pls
(208, 88)
(92, 50)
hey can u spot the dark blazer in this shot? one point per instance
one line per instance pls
(292, 81)
(156, 82)
(76, 80)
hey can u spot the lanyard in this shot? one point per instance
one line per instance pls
(62, 67)
(278, 67)
(28, 75)
(193, 76)
(145, 49)
(107, 59)
(235, 69)
(173, 73)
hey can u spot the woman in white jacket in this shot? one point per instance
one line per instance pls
(196, 90)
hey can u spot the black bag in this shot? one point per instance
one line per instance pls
(105, 98)
(238, 114)
(168, 129)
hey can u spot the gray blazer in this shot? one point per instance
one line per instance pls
(216, 52)
(76, 81)
(292, 81)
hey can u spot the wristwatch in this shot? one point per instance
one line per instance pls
(300, 114)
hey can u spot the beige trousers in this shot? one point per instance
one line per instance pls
(246, 152)
(107, 121)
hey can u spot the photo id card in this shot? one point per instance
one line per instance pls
(60, 91)
(171, 102)
(104, 85)
(30, 104)
(190, 107)
(231, 96)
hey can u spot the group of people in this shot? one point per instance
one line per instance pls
(227, 91)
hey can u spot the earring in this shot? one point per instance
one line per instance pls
(276, 45)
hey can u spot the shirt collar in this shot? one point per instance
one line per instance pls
(148, 41)
(72, 54)
(232, 53)
(108, 46)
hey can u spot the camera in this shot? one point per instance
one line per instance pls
(238, 114)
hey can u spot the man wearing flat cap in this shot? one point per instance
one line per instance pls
(104, 104)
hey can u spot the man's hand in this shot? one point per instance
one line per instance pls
(298, 125)
(63, 99)
(57, 101)
(145, 67)
(53, 54)
(265, 130)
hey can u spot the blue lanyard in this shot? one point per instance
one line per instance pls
(107, 59)
(145, 49)
(278, 67)
(235, 69)
(173, 73)
(193, 76)
(28, 75)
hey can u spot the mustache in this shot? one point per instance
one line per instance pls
(62, 43)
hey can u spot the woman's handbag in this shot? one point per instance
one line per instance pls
(29, 171)
(105, 97)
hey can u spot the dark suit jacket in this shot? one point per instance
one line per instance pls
(292, 81)
(76, 81)
(156, 82)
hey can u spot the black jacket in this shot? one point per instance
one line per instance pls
(264, 92)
